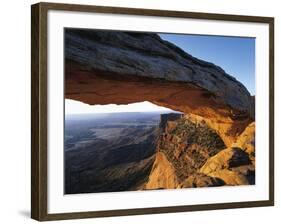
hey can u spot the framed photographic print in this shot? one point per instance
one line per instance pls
(138, 111)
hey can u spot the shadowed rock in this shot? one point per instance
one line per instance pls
(201, 180)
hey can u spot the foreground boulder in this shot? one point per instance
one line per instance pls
(235, 165)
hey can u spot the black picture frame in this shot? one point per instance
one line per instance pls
(39, 105)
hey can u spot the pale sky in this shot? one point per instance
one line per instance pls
(76, 107)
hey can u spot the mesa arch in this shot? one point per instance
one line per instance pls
(103, 67)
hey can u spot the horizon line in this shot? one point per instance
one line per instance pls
(153, 111)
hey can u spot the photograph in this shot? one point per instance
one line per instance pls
(156, 111)
(137, 111)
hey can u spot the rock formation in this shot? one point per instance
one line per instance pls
(184, 145)
(235, 165)
(191, 154)
(103, 67)
(163, 174)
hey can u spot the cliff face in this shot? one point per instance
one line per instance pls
(163, 174)
(193, 155)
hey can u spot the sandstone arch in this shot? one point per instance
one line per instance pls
(118, 67)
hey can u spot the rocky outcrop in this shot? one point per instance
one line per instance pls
(226, 159)
(163, 174)
(195, 156)
(246, 141)
(235, 165)
(103, 67)
(185, 145)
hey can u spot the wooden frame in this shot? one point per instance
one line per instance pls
(39, 110)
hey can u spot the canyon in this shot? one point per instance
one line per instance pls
(212, 143)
